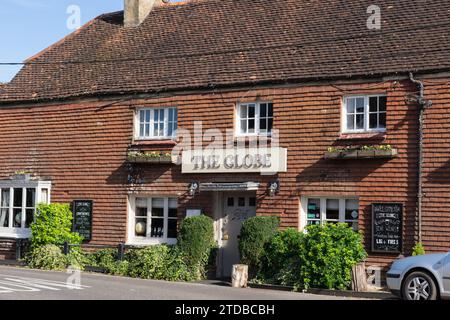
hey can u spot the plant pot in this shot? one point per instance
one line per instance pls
(350, 154)
(22, 176)
(332, 155)
(386, 153)
(366, 153)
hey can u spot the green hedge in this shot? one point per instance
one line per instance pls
(256, 232)
(321, 258)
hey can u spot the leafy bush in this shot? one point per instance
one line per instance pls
(255, 233)
(327, 255)
(281, 258)
(53, 225)
(418, 249)
(47, 257)
(160, 262)
(196, 242)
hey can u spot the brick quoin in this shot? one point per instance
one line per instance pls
(81, 146)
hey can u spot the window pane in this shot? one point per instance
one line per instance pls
(359, 121)
(351, 122)
(373, 104)
(141, 116)
(158, 207)
(230, 202)
(243, 113)
(252, 202)
(141, 207)
(269, 125)
(17, 218)
(313, 209)
(251, 111)
(263, 110)
(17, 197)
(350, 105)
(157, 230)
(383, 103)
(359, 105)
(373, 120)
(157, 212)
(147, 115)
(251, 125)
(147, 130)
(263, 124)
(382, 123)
(173, 212)
(173, 203)
(31, 196)
(141, 130)
(270, 110)
(241, 202)
(243, 126)
(4, 218)
(351, 209)
(172, 228)
(332, 212)
(156, 115)
(140, 227)
(29, 217)
(5, 198)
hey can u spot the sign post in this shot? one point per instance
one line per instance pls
(82, 218)
(387, 227)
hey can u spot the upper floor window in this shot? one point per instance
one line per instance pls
(364, 113)
(18, 202)
(254, 118)
(156, 123)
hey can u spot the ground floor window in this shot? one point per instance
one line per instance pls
(153, 219)
(320, 210)
(18, 201)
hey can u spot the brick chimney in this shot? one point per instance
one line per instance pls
(136, 11)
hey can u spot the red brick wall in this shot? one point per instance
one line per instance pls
(82, 148)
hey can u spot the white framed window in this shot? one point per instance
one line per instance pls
(18, 201)
(152, 220)
(156, 123)
(320, 210)
(254, 118)
(364, 113)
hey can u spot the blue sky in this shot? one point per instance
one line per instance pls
(28, 26)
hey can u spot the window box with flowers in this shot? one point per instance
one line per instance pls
(362, 152)
(153, 157)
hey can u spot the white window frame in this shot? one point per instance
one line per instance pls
(132, 239)
(22, 232)
(137, 124)
(323, 203)
(257, 119)
(366, 128)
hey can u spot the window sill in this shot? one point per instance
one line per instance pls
(153, 142)
(378, 135)
(15, 233)
(150, 242)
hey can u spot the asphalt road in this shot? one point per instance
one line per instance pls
(26, 284)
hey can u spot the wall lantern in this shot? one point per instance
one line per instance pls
(274, 188)
(193, 188)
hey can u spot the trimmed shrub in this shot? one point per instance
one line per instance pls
(47, 257)
(281, 258)
(160, 262)
(256, 232)
(196, 241)
(53, 225)
(327, 255)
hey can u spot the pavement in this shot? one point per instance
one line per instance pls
(25, 284)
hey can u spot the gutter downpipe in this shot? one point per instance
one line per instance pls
(423, 104)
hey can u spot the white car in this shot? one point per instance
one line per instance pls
(424, 277)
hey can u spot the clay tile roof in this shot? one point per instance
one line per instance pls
(217, 43)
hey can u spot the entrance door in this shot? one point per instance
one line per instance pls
(236, 209)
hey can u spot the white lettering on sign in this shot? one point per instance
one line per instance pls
(265, 161)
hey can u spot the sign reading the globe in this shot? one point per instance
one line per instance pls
(82, 218)
(262, 160)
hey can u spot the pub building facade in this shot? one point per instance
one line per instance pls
(354, 123)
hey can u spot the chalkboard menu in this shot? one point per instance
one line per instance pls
(82, 218)
(387, 227)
